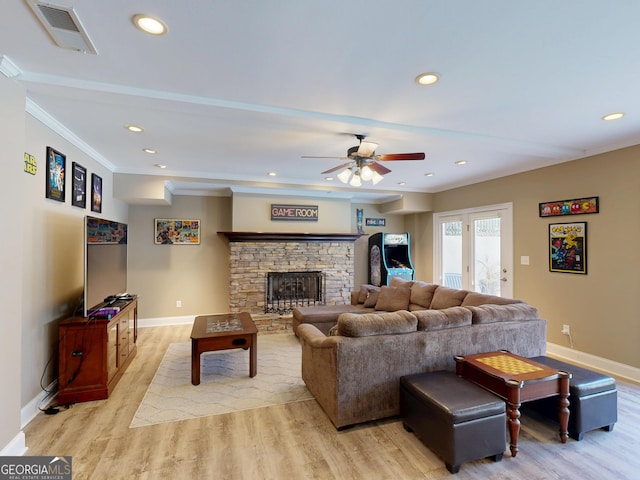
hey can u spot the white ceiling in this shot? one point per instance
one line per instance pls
(237, 89)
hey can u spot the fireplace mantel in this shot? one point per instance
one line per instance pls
(290, 237)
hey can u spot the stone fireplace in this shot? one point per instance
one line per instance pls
(253, 255)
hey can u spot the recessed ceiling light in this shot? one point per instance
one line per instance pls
(402, 183)
(134, 128)
(149, 150)
(159, 165)
(329, 179)
(149, 24)
(613, 116)
(272, 174)
(428, 78)
(430, 174)
(461, 162)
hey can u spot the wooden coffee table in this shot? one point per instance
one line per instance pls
(223, 332)
(517, 379)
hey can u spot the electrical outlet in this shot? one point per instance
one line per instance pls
(566, 330)
(178, 303)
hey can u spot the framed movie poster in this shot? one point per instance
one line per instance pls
(568, 247)
(56, 163)
(96, 193)
(79, 195)
(177, 231)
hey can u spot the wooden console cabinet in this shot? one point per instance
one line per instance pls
(95, 352)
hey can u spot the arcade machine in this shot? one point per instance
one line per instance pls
(389, 257)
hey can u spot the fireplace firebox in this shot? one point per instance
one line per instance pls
(286, 290)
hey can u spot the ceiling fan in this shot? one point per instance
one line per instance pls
(364, 164)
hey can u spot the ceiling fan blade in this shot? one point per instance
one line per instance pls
(314, 156)
(400, 156)
(367, 149)
(331, 170)
(381, 169)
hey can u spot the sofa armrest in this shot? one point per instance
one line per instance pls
(310, 334)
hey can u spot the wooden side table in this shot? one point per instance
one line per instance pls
(517, 379)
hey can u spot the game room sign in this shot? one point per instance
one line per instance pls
(301, 213)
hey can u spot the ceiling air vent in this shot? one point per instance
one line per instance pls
(63, 25)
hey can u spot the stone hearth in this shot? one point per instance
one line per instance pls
(253, 255)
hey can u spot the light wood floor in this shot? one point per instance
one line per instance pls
(297, 441)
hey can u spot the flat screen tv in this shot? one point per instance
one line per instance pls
(105, 262)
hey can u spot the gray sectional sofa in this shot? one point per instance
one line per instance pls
(352, 360)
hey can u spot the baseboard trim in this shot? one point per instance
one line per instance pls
(31, 409)
(165, 321)
(16, 447)
(610, 367)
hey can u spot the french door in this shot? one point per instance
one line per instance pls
(473, 249)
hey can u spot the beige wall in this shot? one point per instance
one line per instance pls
(198, 275)
(601, 307)
(12, 106)
(53, 253)
(252, 213)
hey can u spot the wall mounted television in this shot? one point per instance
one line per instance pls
(105, 262)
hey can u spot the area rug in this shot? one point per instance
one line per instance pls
(225, 385)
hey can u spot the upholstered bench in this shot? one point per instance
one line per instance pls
(593, 399)
(456, 419)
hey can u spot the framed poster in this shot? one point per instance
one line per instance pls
(56, 163)
(177, 231)
(79, 195)
(96, 193)
(577, 206)
(568, 247)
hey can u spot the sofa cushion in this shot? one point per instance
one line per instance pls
(391, 299)
(439, 319)
(372, 298)
(421, 295)
(502, 313)
(473, 299)
(369, 324)
(365, 290)
(445, 297)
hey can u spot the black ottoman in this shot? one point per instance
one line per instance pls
(456, 419)
(593, 399)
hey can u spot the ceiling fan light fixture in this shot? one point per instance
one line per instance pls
(376, 178)
(366, 173)
(345, 175)
(355, 180)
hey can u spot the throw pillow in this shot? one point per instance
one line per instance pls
(445, 297)
(365, 289)
(421, 295)
(372, 299)
(391, 299)
(400, 282)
